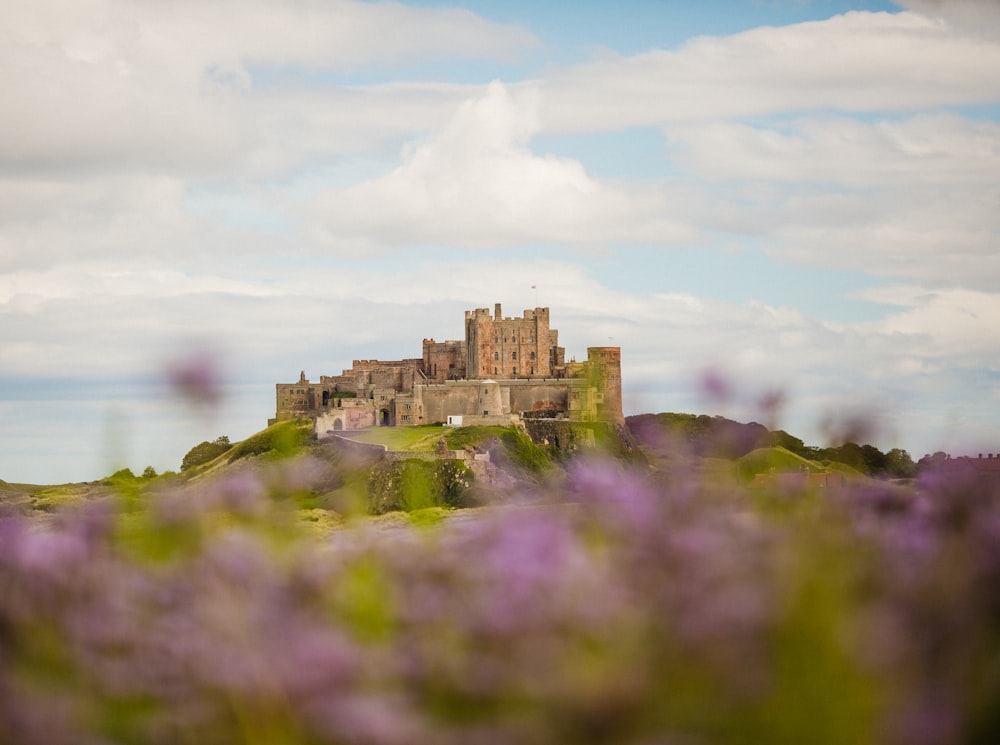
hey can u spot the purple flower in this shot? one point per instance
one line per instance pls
(197, 377)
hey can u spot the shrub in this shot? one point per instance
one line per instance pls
(204, 452)
(412, 484)
(281, 439)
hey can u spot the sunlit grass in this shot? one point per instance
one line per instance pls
(401, 438)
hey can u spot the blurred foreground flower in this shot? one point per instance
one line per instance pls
(615, 607)
(197, 377)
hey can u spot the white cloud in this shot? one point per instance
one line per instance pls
(914, 198)
(47, 219)
(979, 17)
(478, 183)
(926, 149)
(857, 62)
(171, 85)
(956, 325)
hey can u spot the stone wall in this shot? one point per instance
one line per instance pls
(522, 353)
(345, 419)
(606, 368)
(504, 347)
(444, 360)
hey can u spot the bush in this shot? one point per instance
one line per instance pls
(281, 439)
(204, 452)
(413, 484)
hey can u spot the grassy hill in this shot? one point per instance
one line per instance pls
(774, 460)
(671, 443)
(422, 438)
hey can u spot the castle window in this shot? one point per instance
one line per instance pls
(496, 355)
(494, 371)
(532, 355)
(514, 371)
(513, 355)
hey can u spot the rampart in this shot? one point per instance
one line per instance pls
(504, 368)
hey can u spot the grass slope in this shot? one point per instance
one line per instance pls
(774, 459)
(400, 438)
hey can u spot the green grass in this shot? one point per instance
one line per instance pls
(401, 438)
(57, 497)
(777, 459)
(515, 444)
(460, 437)
(283, 438)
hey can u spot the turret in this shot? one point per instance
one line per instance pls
(605, 368)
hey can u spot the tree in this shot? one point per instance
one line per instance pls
(203, 452)
(781, 439)
(932, 461)
(874, 458)
(898, 463)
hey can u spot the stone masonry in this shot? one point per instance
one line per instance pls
(504, 369)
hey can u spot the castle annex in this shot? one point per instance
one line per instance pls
(504, 369)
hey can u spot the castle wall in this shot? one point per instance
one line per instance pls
(444, 360)
(437, 402)
(399, 375)
(499, 347)
(345, 419)
(605, 363)
(469, 398)
(510, 365)
(540, 395)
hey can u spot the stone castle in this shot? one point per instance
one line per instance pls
(504, 370)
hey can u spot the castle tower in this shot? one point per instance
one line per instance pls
(521, 347)
(605, 366)
(490, 398)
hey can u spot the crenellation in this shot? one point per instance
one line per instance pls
(504, 367)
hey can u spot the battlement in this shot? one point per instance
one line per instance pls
(523, 352)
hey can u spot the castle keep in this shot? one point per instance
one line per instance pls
(504, 369)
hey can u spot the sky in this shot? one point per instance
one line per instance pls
(759, 201)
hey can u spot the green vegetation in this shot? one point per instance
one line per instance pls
(279, 440)
(671, 434)
(204, 452)
(414, 485)
(425, 437)
(507, 446)
(354, 485)
(778, 459)
(475, 437)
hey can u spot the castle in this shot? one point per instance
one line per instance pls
(505, 369)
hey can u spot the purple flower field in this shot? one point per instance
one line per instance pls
(607, 607)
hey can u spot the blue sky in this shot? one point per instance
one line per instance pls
(797, 195)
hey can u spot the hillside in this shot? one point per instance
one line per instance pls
(341, 482)
(672, 440)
